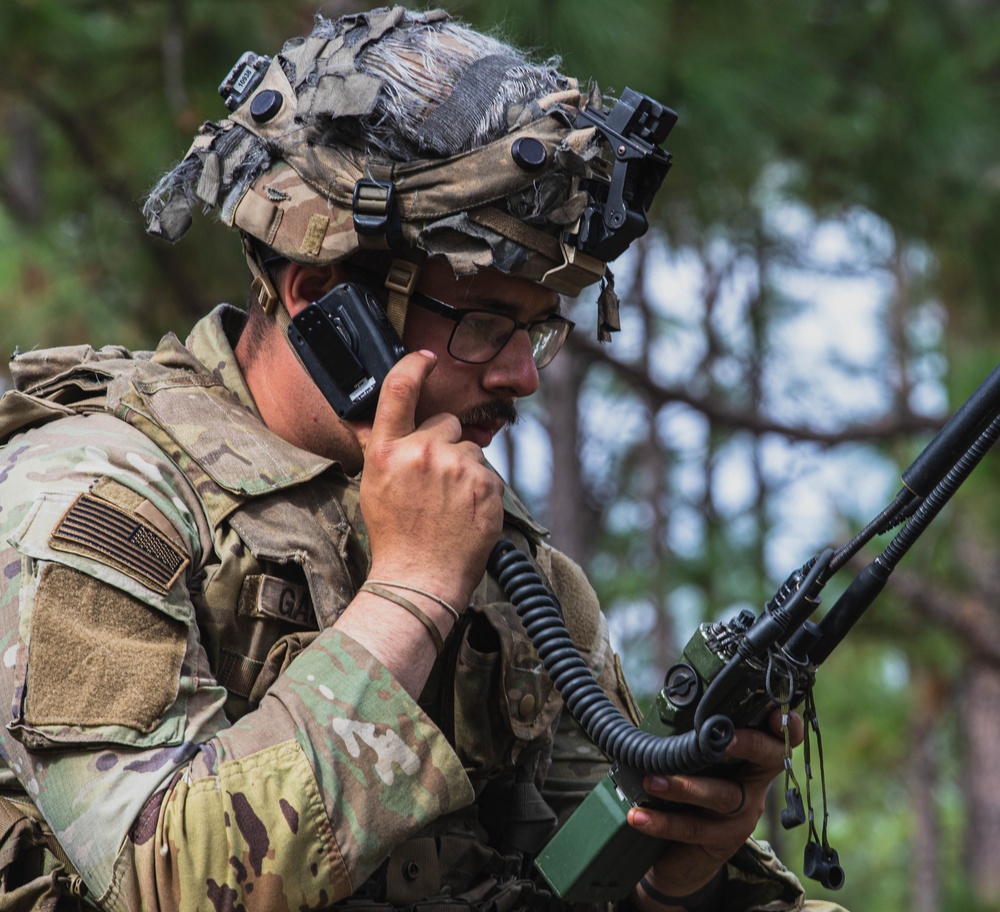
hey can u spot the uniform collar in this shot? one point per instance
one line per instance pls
(212, 340)
(233, 445)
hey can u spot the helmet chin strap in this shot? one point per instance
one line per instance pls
(262, 288)
(400, 282)
(264, 293)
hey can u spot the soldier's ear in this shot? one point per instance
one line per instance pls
(301, 284)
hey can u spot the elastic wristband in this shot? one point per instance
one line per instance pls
(432, 628)
(430, 595)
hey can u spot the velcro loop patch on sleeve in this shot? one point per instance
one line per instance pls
(99, 656)
(100, 530)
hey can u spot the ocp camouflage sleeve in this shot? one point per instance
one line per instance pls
(116, 729)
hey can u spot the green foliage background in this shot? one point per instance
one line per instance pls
(882, 106)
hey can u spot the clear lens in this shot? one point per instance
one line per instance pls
(546, 340)
(479, 335)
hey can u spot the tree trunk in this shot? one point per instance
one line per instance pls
(922, 773)
(981, 729)
(21, 186)
(569, 519)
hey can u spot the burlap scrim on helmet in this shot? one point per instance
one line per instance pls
(288, 179)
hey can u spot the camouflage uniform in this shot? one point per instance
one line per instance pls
(185, 716)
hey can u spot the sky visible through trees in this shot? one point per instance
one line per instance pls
(818, 292)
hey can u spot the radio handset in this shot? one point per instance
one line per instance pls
(347, 345)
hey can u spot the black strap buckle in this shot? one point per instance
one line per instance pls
(376, 214)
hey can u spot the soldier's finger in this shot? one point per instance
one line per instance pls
(764, 751)
(362, 432)
(444, 424)
(796, 726)
(397, 402)
(719, 795)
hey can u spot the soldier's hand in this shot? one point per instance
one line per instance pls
(712, 817)
(431, 505)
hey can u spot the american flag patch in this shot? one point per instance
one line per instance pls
(98, 529)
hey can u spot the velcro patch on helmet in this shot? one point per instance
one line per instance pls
(98, 529)
(312, 243)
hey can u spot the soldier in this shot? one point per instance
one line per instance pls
(240, 673)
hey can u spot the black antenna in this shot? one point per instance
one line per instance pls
(869, 583)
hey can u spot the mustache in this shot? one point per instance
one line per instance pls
(488, 412)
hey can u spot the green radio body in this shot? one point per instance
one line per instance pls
(596, 856)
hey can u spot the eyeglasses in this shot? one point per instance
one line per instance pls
(480, 335)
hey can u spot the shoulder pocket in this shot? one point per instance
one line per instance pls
(103, 627)
(99, 666)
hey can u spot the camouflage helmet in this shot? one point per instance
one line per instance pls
(405, 131)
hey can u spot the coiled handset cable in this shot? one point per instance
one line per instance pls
(617, 736)
(705, 744)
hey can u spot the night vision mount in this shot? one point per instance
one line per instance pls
(615, 215)
(730, 675)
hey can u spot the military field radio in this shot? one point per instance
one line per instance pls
(731, 675)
